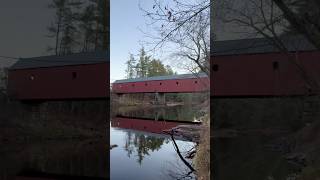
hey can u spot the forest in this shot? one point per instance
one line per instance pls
(79, 26)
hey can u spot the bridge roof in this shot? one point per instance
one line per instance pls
(259, 45)
(63, 60)
(159, 78)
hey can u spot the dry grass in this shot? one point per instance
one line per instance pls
(202, 158)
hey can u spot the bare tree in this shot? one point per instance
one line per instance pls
(262, 18)
(56, 26)
(307, 23)
(184, 24)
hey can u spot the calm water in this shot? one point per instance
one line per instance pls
(247, 157)
(79, 159)
(143, 151)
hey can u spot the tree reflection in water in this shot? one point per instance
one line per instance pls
(178, 171)
(142, 144)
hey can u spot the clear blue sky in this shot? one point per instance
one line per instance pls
(125, 37)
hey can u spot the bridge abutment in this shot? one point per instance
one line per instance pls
(160, 98)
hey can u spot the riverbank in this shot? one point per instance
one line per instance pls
(201, 135)
(298, 149)
(202, 157)
(39, 121)
(306, 151)
(88, 158)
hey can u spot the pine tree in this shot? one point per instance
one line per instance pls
(143, 64)
(131, 64)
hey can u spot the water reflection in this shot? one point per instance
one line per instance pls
(186, 113)
(248, 158)
(86, 159)
(142, 144)
(144, 151)
(54, 140)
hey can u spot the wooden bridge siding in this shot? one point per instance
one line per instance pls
(164, 86)
(92, 81)
(254, 75)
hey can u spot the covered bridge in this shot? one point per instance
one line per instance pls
(74, 76)
(256, 67)
(184, 83)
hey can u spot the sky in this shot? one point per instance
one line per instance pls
(23, 28)
(126, 25)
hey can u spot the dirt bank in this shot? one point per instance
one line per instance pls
(307, 150)
(52, 120)
(202, 157)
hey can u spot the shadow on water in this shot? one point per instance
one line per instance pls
(54, 160)
(54, 140)
(248, 158)
(143, 151)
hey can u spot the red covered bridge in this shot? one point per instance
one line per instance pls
(74, 76)
(255, 67)
(185, 83)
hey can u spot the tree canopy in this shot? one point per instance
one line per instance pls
(79, 26)
(146, 66)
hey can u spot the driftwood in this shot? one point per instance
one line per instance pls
(183, 130)
(187, 132)
(113, 146)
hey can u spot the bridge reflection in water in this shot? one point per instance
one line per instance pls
(143, 151)
(146, 125)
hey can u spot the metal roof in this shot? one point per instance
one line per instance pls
(259, 45)
(159, 78)
(63, 60)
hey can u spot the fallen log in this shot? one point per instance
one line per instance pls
(187, 132)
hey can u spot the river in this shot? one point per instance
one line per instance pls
(143, 151)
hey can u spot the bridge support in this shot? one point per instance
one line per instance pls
(160, 98)
(160, 114)
(120, 98)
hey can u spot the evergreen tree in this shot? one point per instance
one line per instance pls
(131, 64)
(143, 64)
(146, 66)
(156, 68)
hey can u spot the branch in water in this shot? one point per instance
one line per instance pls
(179, 153)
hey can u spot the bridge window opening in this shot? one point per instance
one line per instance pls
(160, 84)
(215, 67)
(74, 75)
(177, 83)
(275, 65)
(196, 82)
(31, 77)
(146, 84)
